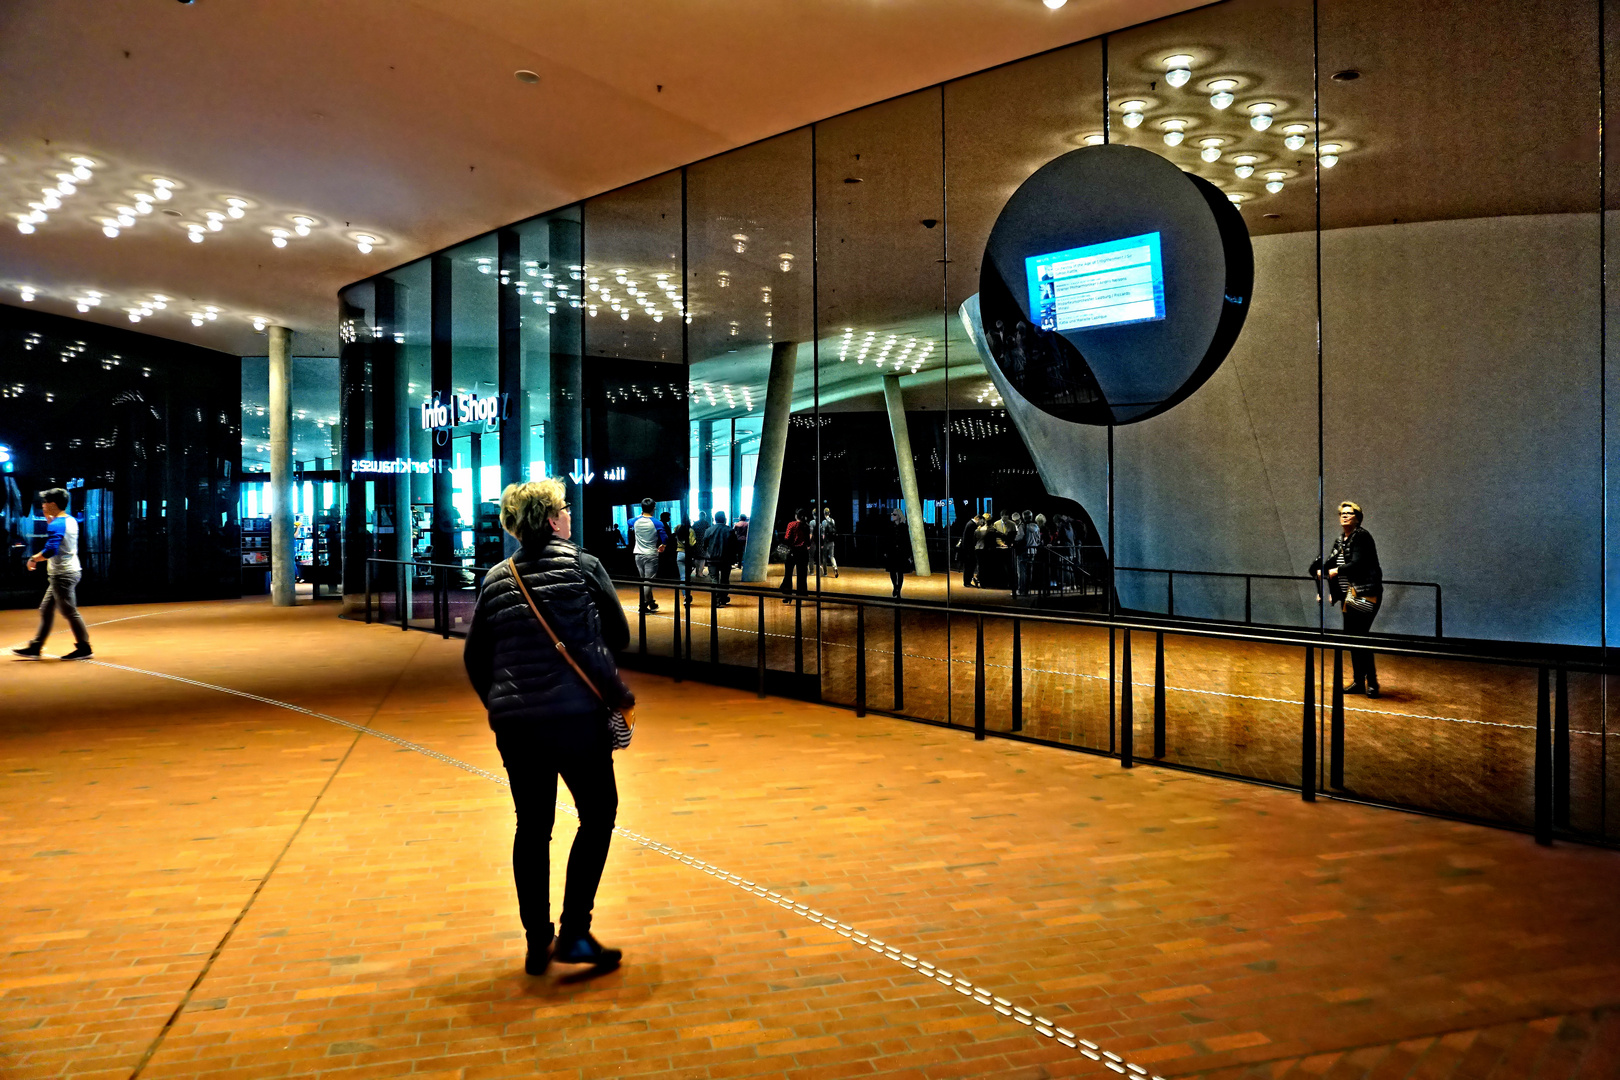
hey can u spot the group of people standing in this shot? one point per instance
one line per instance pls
(701, 550)
(1020, 551)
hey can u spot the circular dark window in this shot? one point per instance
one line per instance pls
(1113, 285)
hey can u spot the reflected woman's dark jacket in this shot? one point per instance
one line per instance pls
(1356, 558)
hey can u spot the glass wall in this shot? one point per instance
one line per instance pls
(793, 331)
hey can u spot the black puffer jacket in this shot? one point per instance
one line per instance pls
(517, 671)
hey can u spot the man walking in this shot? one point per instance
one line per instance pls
(648, 541)
(61, 558)
(719, 548)
(827, 535)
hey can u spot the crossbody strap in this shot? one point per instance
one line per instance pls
(561, 648)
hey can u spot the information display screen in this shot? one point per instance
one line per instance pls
(1107, 284)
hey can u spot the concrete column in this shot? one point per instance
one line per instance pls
(908, 473)
(772, 451)
(283, 568)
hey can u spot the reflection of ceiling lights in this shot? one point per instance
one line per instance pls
(1174, 131)
(364, 241)
(1220, 92)
(1245, 165)
(1095, 140)
(1211, 148)
(1178, 69)
(785, 261)
(1294, 135)
(1133, 112)
(1274, 181)
(1260, 114)
(1328, 155)
(1054, 4)
(740, 242)
(1237, 197)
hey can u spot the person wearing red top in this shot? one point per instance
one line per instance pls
(796, 553)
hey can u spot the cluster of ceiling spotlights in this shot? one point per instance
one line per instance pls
(124, 210)
(911, 352)
(1262, 115)
(53, 196)
(141, 307)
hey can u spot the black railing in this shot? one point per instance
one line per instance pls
(1250, 579)
(795, 653)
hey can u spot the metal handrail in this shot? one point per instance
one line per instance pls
(1248, 588)
(1552, 742)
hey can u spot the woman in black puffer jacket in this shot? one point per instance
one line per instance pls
(546, 720)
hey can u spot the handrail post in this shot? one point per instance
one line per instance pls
(899, 661)
(1158, 695)
(368, 592)
(1439, 623)
(1543, 787)
(641, 636)
(1127, 713)
(860, 659)
(675, 622)
(1018, 676)
(1307, 741)
(1112, 691)
(1169, 594)
(1560, 791)
(760, 642)
(688, 608)
(1248, 599)
(978, 681)
(441, 593)
(1336, 743)
(798, 636)
(714, 627)
(402, 597)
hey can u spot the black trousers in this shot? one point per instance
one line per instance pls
(1363, 662)
(897, 578)
(722, 578)
(534, 758)
(800, 558)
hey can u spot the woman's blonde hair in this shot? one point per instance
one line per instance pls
(1354, 508)
(527, 509)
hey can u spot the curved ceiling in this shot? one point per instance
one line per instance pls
(402, 120)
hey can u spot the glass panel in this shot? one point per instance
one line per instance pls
(881, 366)
(754, 436)
(635, 385)
(1460, 252)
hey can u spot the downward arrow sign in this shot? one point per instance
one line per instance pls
(589, 476)
(574, 476)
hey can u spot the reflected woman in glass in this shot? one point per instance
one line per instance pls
(896, 549)
(547, 720)
(1355, 581)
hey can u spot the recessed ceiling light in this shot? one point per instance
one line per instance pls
(1347, 75)
(527, 76)
(171, 213)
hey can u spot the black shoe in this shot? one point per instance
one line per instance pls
(80, 652)
(1355, 688)
(586, 950)
(1372, 689)
(27, 652)
(536, 961)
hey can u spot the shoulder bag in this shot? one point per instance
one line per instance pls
(621, 722)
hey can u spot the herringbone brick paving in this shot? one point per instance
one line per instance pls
(1191, 925)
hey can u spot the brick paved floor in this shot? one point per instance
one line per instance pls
(327, 902)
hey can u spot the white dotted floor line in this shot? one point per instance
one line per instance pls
(978, 994)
